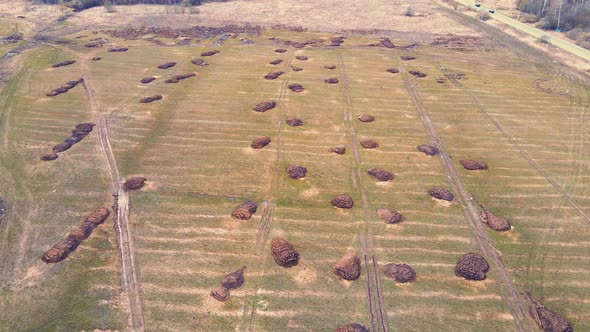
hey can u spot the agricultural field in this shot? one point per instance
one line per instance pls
(523, 116)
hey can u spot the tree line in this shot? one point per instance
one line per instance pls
(84, 4)
(565, 14)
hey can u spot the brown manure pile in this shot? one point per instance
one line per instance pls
(245, 210)
(336, 41)
(199, 62)
(49, 157)
(146, 80)
(296, 87)
(118, 49)
(369, 144)
(296, 68)
(98, 216)
(150, 99)
(301, 57)
(294, 122)
(60, 250)
(80, 131)
(428, 150)
(331, 67)
(417, 73)
(135, 183)
(351, 327)
(180, 77)
(233, 280)
(281, 50)
(61, 147)
(473, 165)
(284, 253)
(494, 222)
(209, 53)
(390, 216)
(386, 42)
(167, 65)
(296, 172)
(338, 149)
(265, 106)
(82, 232)
(64, 63)
(380, 174)
(331, 80)
(259, 143)
(401, 273)
(275, 62)
(221, 294)
(96, 58)
(273, 75)
(441, 193)
(547, 320)
(366, 118)
(343, 201)
(348, 267)
(65, 88)
(407, 57)
(472, 266)
(441, 80)
(393, 70)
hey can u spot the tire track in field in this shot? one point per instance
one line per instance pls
(517, 307)
(565, 195)
(267, 218)
(377, 311)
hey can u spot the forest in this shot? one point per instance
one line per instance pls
(84, 4)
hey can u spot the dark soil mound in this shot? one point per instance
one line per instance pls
(338, 149)
(301, 57)
(265, 106)
(407, 57)
(296, 172)
(284, 253)
(135, 183)
(209, 53)
(82, 232)
(386, 42)
(199, 62)
(150, 99)
(273, 75)
(180, 77)
(331, 67)
(380, 174)
(96, 58)
(281, 50)
(296, 68)
(245, 210)
(366, 118)
(441, 193)
(393, 70)
(220, 294)
(496, 223)
(331, 80)
(118, 49)
(64, 63)
(99, 216)
(146, 80)
(56, 92)
(49, 157)
(369, 144)
(75, 138)
(61, 147)
(275, 62)
(351, 327)
(441, 80)
(343, 201)
(336, 41)
(390, 216)
(400, 272)
(473, 165)
(261, 142)
(60, 250)
(547, 320)
(167, 65)
(233, 280)
(65, 88)
(427, 149)
(296, 87)
(71, 84)
(294, 122)
(472, 266)
(417, 73)
(348, 267)
(85, 126)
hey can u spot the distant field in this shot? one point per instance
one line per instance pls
(193, 146)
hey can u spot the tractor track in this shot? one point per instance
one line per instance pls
(517, 307)
(377, 311)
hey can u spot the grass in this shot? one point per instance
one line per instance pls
(193, 146)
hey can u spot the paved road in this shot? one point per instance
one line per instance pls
(563, 44)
